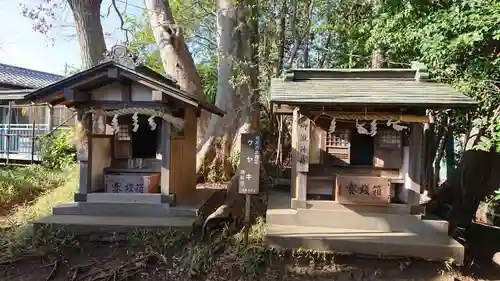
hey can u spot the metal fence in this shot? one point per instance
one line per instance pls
(21, 141)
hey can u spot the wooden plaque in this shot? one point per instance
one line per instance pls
(249, 179)
(132, 183)
(362, 190)
(303, 142)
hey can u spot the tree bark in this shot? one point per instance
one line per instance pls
(236, 84)
(308, 36)
(378, 58)
(280, 24)
(219, 126)
(87, 16)
(176, 58)
(326, 51)
(295, 34)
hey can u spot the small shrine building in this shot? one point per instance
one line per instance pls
(358, 152)
(137, 146)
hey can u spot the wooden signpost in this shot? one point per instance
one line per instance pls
(304, 128)
(249, 173)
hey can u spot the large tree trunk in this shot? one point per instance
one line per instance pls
(87, 16)
(234, 96)
(176, 58)
(238, 62)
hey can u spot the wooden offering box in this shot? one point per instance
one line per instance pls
(362, 190)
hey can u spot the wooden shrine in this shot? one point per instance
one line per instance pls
(138, 132)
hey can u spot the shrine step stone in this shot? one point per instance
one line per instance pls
(330, 205)
(124, 209)
(366, 242)
(348, 219)
(94, 225)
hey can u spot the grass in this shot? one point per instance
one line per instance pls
(21, 184)
(17, 233)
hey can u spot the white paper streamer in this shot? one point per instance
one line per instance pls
(395, 125)
(135, 119)
(100, 124)
(152, 123)
(114, 124)
(361, 129)
(333, 125)
(373, 128)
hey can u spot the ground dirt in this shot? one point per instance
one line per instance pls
(98, 261)
(118, 261)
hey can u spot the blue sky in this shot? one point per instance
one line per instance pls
(21, 46)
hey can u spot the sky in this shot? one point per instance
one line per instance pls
(21, 46)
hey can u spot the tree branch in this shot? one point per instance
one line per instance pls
(122, 26)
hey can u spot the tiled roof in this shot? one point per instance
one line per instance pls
(364, 87)
(26, 78)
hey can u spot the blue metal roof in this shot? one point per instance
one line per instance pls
(27, 78)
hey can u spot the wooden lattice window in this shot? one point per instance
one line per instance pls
(123, 132)
(389, 139)
(338, 139)
(388, 151)
(338, 145)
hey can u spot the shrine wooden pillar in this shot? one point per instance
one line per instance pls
(84, 156)
(165, 161)
(413, 180)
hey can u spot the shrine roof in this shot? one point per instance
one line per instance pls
(365, 87)
(109, 72)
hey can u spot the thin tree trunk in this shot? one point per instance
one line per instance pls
(326, 52)
(86, 14)
(308, 37)
(176, 58)
(378, 58)
(295, 34)
(281, 25)
(254, 68)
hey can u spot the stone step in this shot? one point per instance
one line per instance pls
(367, 242)
(123, 209)
(348, 219)
(330, 205)
(112, 224)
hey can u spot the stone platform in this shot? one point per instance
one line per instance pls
(94, 218)
(79, 224)
(381, 231)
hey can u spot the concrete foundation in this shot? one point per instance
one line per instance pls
(372, 230)
(86, 225)
(105, 219)
(124, 209)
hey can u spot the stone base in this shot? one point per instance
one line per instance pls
(112, 225)
(391, 230)
(124, 209)
(367, 242)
